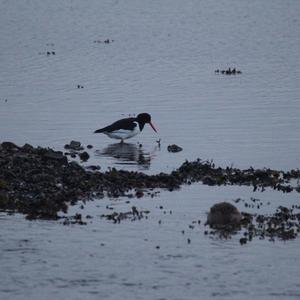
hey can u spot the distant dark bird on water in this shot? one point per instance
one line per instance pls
(127, 128)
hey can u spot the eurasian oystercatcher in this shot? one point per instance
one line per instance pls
(127, 128)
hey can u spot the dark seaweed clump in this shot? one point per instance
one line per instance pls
(229, 71)
(132, 215)
(40, 182)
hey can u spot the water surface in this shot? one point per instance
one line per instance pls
(162, 61)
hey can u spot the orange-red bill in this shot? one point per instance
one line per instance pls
(153, 127)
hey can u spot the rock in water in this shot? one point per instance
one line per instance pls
(84, 156)
(223, 213)
(74, 145)
(174, 148)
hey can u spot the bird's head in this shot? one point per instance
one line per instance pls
(144, 118)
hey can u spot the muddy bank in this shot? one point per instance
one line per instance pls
(40, 182)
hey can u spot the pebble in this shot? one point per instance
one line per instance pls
(84, 156)
(174, 148)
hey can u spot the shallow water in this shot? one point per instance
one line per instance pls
(121, 261)
(162, 61)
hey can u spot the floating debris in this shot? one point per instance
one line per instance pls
(229, 71)
(107, 41)
(76, 219)
(48, 53)
(132, 215)
(158, 142)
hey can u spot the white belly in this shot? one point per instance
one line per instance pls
(123, 134)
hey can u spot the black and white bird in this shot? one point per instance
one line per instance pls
(127, 128)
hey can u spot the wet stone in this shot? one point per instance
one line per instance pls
(93, 168)
(174, 148)
(74, 145)
(55, 156)
(243, 241)
(139, 193)
(84, 156)
(27, 148)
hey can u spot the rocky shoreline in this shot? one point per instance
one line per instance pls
(40, 182)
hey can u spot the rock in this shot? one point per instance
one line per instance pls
(84, 156)
(74, 145)
(27, 148)
(208, 180)
(243, 241)
(8, 146)
(139, 193)
(3, 184)
(223, 213)
(3, 200)
(174, 148)
(93, 168)
(135, 211)
(89, 146)
(55, 156)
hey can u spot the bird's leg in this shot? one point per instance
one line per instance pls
(121, 141)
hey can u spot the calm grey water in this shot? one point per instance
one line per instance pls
(162, 61)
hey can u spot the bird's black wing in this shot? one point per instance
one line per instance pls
(127, 124)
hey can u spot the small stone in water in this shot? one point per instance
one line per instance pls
(174, 148)
(84, 156)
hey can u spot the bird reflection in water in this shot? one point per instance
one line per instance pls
(127, 154)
